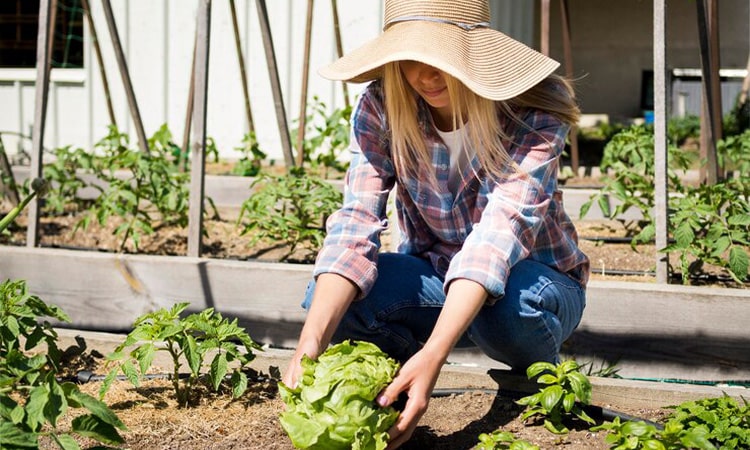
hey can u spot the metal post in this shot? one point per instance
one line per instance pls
(40, 112)
(125, 75)
(273, 75)
(303, 90)
(100, 61)
(198, 155)
(660, 140)
(241, 62)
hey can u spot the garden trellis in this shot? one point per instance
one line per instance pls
(707, 16)
(196, 103)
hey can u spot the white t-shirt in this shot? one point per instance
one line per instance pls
(460, 158)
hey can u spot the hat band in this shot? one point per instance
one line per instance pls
(462, 25)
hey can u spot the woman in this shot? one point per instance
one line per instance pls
(468, 125)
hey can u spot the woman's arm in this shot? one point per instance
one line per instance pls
(420, 373)
(332, 296)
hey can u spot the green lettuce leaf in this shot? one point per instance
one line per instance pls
(333, 407)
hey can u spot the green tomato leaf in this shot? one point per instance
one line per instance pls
(239, 384)
(738, 262)
(66, 442)
(94, 427)
(12, 436)
(218, 370)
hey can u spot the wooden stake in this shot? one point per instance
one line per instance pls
(182, 163)
(8, 185)
(241, 62)
(273, 75)
(568, 52)
(660, 140)
(125, 75)
(303, 90)
(710, 129)
(100, 61)
(544, 28)
(198, 155)
(40, 112)
(339, 45)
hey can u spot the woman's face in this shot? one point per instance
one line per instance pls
(429, 83)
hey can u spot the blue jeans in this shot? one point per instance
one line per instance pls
(540, 309)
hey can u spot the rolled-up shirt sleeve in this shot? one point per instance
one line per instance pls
(353, 232)
(515, 207)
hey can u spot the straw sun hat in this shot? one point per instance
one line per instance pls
(453, 36)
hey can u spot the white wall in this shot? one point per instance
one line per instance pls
(157, 37)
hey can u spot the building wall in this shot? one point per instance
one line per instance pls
(157, 38)
(612, 45)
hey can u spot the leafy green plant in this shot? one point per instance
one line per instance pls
(733, 153)
(194, 338)
(32, 401)
(636, 435)
(251, 161)
(501, 440)
(565, 385)
(711, 224)
(65, 181)
(141, 189)
(333, 407)
(726, 423)
(680, 129)
(291, 209)
(629, 160)
(162, 141)
(326, 136)
(38, 187)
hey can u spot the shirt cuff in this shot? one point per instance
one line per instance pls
(350, 264)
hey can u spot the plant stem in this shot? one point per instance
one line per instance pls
(15, 211)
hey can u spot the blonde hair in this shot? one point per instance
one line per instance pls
(553, 95)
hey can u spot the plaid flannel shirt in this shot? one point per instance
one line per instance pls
(477, 234)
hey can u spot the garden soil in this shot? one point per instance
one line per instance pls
(214, 421)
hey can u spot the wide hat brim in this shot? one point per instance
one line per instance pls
(490, 63)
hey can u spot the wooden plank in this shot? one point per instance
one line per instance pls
(302, 122)
(198, 153)
(661, 220)
(122, 64)
(653, 330)
(99, 60)
(241, 63)
(273, 75)
(40, 115)
(8, 187)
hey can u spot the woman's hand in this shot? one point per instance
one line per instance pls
(417, 378)
(294, 371)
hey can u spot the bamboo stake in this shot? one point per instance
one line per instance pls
(40, 113)
(100, 61)
(339, 45)
(198, 155)
(241, 62)
(7, 180)
(125, 75)
(303, 90)
(709, 126)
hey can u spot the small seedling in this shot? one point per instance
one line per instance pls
(502, 440)
(637, 435)
(194, 338)
(566, 385)
(726, 421)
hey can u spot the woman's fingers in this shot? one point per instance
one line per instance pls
(407, 422)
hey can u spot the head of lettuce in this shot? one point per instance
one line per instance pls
(333, 406)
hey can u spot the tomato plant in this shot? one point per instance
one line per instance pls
(194, 338)
(32, 400)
